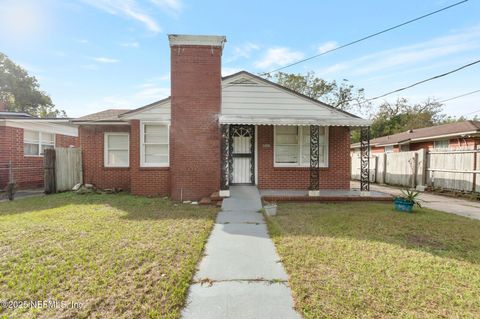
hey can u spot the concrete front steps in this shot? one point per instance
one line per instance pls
(213, 199)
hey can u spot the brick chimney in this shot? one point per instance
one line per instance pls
(195, 101)
(3, 106)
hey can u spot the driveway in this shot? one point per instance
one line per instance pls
(446, 204)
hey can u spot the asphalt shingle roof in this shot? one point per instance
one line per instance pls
(110, 115)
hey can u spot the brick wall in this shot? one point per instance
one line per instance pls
(94, 171)
(140, 181)
(336, 176)
(27, 170)
(194, 131)
(149, 181)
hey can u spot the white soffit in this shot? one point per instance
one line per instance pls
(68, 130)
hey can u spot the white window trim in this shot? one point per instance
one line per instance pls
(435, 142)
(300, 138)
(105, 149)
(39, 142)
(142, 144)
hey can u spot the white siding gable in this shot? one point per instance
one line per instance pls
(159, 111)
(245, 96)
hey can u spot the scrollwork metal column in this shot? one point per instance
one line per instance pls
(314, 158)
(225, 157)
(365, 158)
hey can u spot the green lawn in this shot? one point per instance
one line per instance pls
(364, 260)
(118, 256)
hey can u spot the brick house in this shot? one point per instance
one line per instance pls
(213, 132)
(458, 135)
(22, 141)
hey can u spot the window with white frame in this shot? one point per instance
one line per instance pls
(116, 150)
(35, 143)
(292, 146)
(154, 145)
(389, 149)
(440, 144)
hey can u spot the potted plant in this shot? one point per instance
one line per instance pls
(406, 201)
(270, 209)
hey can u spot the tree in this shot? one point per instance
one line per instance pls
(401, 116)
(343, 96)
(21, 92)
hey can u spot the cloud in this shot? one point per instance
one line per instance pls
(278, 56)
(327, 46)
(128, 9)
(133, 44)
(83, 41)
(105, 60)
(410, 55)
(170, 6)
(243, 51)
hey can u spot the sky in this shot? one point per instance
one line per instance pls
(92, 55)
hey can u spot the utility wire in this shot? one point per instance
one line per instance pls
(459, 96)
(367, 37)
(426, 80)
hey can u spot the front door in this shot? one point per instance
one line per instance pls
(242, 169)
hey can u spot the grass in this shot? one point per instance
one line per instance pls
(117, 256)
(364, 260)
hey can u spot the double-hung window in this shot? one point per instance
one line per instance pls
(116, 150)
(292, 146)
(35, 143)
(154, 150)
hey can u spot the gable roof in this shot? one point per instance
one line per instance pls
(248, 99)
(110, 115)
(427, 133)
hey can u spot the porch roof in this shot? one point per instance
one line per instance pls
(291, 120)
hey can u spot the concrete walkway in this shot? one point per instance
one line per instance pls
(446, 204)
(241, 275)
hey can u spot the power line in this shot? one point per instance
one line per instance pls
(426, 80)
(368, 37)
(459, 96)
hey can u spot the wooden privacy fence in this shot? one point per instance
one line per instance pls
(63, 169)
(454, 169)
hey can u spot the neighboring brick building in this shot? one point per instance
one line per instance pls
(22, 140)
(458, 135)
(214, 132)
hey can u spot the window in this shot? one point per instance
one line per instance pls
(389, 149)
(154, 145)
(292, 146)
(441, 144)
(34, 142)
(116, 150)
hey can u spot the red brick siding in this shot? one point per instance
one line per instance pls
(335, 176)
(194, 131)
(453, 144)
(66, 141)
(149, 181)
(94, 171)
(27, 170)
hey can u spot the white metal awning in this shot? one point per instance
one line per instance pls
(292, 120)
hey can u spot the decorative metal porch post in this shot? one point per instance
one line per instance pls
(224, 161)
(365, 158)
(314, 189)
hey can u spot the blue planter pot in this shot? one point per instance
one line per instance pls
(403, 205)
